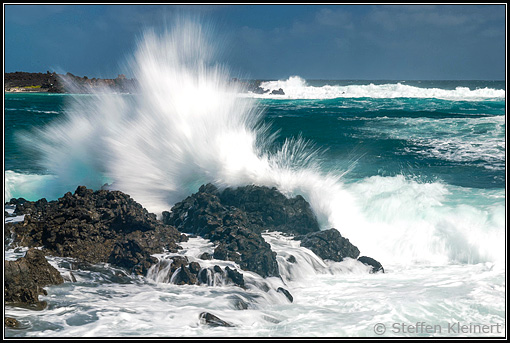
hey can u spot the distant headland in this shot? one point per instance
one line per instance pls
(51, 82)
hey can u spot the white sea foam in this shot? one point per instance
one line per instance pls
(478, 139)
(297, 88)
(329, 300)
(410, 222)
(442, 247)
(30, 110)
(187, 126)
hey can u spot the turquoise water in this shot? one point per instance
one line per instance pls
(411, 172)
(23, 112)
(457, 141)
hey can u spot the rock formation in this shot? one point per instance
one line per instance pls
(26, 277)
(102, 226)
(329, 245)
(110, 227)
(235, 219)
(52, 82)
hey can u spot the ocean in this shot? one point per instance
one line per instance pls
(411, 172)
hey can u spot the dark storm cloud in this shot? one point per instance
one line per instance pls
(273, 41)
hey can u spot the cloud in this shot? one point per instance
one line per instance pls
(334, 18)
(274, 40)
(412, 17)
(391, 40)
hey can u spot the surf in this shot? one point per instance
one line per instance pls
(295, 87)
(188, 124)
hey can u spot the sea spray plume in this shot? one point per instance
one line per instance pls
(189, 125)
(74, 149)
(186, 125)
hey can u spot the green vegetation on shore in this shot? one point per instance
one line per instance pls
(52, 82)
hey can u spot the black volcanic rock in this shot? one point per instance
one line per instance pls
(11, 322)
(182, 272)
(278, 92)
(184, 276)
(228, 276)
(286, 293)
(26, 277)
(254, 87)
(110, 227)
(376, 266)
(329, 245)
(247, 249)
(101, 226)
(205, 256)
(203, 214)
(235, 219)
(236, 277)
(212, 320)
(268, 209)
(129, 254)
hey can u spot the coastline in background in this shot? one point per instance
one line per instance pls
(51, 82)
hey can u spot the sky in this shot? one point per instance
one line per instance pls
(363, 41)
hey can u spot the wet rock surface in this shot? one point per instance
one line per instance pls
(204, 214)
(286, 293)
(102, 226)
(376, 266)
(25, 278)
(11, 322)
(178, 270)
(235, 219)
(329, 245)
(212, 320)
(254, 87)
(110, 227)
(268, 209)
(278, 91)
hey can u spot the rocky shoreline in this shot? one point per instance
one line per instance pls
(51, 82)
(110, 227)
